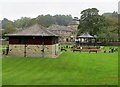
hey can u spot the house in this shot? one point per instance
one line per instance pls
(66, 34)
(33, 41)
(74, 26)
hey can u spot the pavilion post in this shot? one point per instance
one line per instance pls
(42, 46)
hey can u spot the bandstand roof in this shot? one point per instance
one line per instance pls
(86, 35)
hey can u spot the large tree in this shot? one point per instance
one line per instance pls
(45, 20)
(8, 26)
(23, 22)
(63, 19)
(91, 21)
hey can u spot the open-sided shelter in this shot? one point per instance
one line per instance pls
(87, 39)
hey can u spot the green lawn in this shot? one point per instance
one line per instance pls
(0, 65)
(71, 68)
(0, 71)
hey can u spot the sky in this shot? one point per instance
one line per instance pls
(15, 9)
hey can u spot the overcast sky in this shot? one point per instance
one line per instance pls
(15, 9)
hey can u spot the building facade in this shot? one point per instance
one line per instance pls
(66, 34)
(74, 26)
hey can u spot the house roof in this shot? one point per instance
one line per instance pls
(86, 35)
(59, 28)
(74, 23)
(35, 30)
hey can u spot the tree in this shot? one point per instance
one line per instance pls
(112, 28)
(115, 14)
(32, 22)
(46, 20)
(23, 22)
(8, 26)
(91, 21)
(107, 14)
(63, 19)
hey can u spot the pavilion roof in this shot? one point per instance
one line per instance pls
(34, 30)
(86, 35)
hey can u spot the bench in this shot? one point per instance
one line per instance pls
(93, 50)
(76, 50)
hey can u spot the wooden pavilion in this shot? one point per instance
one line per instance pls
(33, 41)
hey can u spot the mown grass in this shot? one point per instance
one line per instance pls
(70, 68)
(0, 65)
(0, 71)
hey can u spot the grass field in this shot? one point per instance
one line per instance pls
(0, 71)
(0, 65)
(68, 69)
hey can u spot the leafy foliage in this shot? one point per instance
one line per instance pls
(91, 21)
(8, 26)
(23, 22)
(104, 26)
(44, 20)
(113, 15)
(63, 19)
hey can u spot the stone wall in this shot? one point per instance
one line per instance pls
(51, 51)
(55, 50)
(16, 50)
(33, 51)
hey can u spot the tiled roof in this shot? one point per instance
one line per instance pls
(35, 30)
(74, 23)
